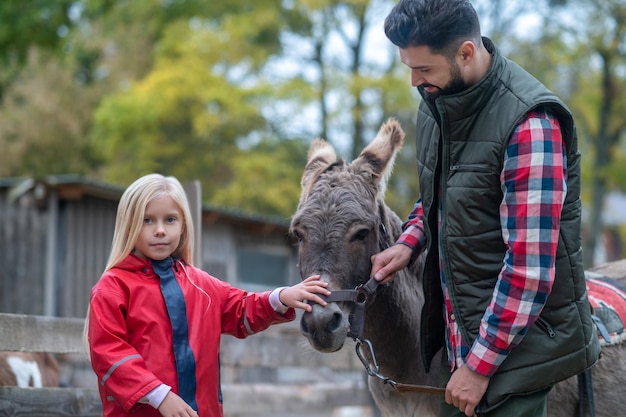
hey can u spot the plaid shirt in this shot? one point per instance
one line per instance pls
(533, 182)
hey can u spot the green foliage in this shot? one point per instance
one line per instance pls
(266, 179)
(187, 87)
(31, 23)
(44, 121)
(188, 115)
(231, 92)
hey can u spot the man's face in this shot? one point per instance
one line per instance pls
(433, 74)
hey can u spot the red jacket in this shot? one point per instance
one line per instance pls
(131, 336)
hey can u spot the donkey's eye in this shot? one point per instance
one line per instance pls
(296, 234)
(360, 235)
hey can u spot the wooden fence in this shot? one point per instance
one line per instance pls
(280, 349)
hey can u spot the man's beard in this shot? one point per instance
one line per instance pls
(454, 86)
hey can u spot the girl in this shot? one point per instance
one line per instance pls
(154, 322)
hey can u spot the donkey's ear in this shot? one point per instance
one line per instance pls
(321, 154)
(378, 157)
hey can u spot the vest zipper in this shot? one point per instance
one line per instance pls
(546, 327)
(475, 168)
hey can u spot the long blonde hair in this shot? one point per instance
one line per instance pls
(129, 220)
(131, 211)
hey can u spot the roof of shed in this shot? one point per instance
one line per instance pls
(73, 186)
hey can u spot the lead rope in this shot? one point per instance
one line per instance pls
(374, 371)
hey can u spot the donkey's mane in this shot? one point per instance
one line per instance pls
(324, 169)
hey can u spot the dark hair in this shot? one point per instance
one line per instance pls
(441, 25)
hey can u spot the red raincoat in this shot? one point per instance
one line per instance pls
(131, 336)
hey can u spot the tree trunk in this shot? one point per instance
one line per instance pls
(603, 158)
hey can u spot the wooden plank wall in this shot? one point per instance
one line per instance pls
(22, 254)
(89, 223)
(85, 231)
(280, 346)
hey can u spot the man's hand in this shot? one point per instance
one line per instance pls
(465, 389)
(174, 406)
(386, 263)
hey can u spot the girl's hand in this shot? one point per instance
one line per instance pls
(174, 406)
(298, 295)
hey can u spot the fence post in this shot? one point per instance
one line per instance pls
(50, 279)
(194, 196)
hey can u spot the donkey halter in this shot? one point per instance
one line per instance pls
(359, 297)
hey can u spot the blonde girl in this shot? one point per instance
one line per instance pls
(154, 323)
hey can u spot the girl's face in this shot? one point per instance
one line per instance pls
(161, 230)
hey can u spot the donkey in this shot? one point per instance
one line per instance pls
(340, 222)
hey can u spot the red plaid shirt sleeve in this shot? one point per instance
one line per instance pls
(534, 186)
(413, 234)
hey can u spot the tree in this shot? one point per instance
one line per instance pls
(199, 103)
(347, 81)
(192, 88)
(266, 179)
(56, 84)
(578, 49)
(221, 102)
(44, 120)
(356, 81)
(602, 39)
(29, 24)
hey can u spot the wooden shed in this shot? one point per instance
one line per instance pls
(55, 238)
(56, 233)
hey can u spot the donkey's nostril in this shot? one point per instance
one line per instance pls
(334, 322)
(304, 327)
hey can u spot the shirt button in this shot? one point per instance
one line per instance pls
(452, 317)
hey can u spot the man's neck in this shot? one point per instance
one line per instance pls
(482, 63)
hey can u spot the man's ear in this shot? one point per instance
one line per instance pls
(467, 51)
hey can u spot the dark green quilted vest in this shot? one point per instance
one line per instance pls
(461, 142)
